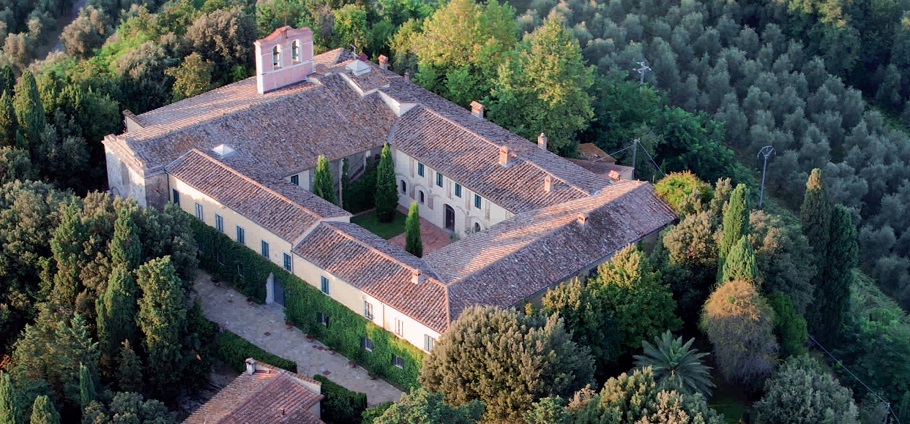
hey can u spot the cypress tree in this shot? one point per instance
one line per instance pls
(129, 373)
(126, 249)
(412, 243)
(28, 107)
(162, 319)
(7, 411)
(832, 295)
(87, 392)
(116, 311)
(736, 224)
(67, 247)
(323, 185)
(43, 411)
(7, 121)
(740, 262)
(815, 216)
(7, 78)
(386, 191)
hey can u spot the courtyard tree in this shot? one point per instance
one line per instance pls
(676, 365)
(386, 190)
(515, 360)
(323, 182)
(802, 391)
(740, 325)
(412, 243)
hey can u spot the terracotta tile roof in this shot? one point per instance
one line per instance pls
(529, 252)
(378, 268)
(284, 210)
(603, 168)
(590, 151)
(258, 397)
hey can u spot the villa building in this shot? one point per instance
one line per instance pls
(241, 159)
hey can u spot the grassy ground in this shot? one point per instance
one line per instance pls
(729, 400)
(386, 230)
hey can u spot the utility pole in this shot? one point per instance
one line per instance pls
(634, 154)
(642, 69)
(766, 152)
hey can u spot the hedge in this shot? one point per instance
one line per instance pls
(359, 194)
(340, 405)
(234, 350)
(303, 302)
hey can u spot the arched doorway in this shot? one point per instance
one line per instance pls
(450, 218)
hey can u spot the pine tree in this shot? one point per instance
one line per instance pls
(126, 249)
(87, 391)
(412, 243)
(8, 122)
(162, 319)
(386, 190)
(43, 411)
(67, 246)
(116, 311)
(736, 221)
(29, 110)
(815, 215)
(740, 262)
(323, 183)
(832, 295)
(129, 374)
(7, 411)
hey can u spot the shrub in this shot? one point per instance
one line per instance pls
(340, 405)
(234, 350)
(683, 191)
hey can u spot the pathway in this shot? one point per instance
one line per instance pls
(264, 326)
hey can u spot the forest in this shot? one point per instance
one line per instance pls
(734, 315)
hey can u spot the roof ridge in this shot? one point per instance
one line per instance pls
(254, 182)
(363, 243)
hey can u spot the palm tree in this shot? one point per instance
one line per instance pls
(676, 365)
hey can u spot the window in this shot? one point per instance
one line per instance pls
(219, 223)
(323, 319)
(264, 249)
(476, 227)
(419, 169)
(439, 179)
(295, 51)
(399, 327)
(397, 361)
(325, 285)
(176, 197)
(276, 58)
(240, 270)
(421, 195)
(477, 201)
(287, 262)
(199, 214)
(428, 342)
(457, 190)
(241, 235)
(404, 187)
(295, 179)
(219, 256)
(367, 309)
(366, 343)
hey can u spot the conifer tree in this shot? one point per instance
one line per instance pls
(7, 411)
(116, 311)
(412, 243)
(323, 185)
(8, 123)
(67, 246)
(126, 249)
(162, 319)
(386, 191)
(740, 262)
(29, 110)
(7, 78)
(129, 374)
(87, 391)
(815, 215)
(833, 293)
(736, 221)
(43, 411)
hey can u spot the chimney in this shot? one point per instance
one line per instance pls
(407, 76)
(547, 184)
(283, 58)
(504, 154)
(383, 62)
(281, 411)
(614, 175)
(477, 109)
(250, 366)
(542, 141)
(582, 219)
(416, 276)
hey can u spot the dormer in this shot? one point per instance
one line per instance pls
(283, 58)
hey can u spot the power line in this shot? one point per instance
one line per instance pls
(841, 364)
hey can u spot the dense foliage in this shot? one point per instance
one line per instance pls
(420, 406)
(801, 391)
(340, 405)
(234, 350)
(676, 365)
